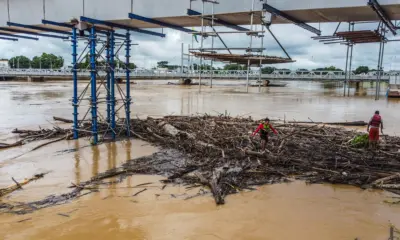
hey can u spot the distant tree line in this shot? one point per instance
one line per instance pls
(264, 70)
(51, 61)
(45, 61)
(269, 70)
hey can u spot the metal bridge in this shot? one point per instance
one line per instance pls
(216, 74)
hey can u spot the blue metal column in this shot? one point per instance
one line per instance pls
(128, 85)
(93, 84)
(75, 82)
(108, 78)
(112, 83)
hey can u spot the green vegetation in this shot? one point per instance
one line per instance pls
(51, 61)
(19, 62)
(331, 68)
(361, 69)
(360, 141)
(47, 61)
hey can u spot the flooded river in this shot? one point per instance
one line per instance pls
(282, 211)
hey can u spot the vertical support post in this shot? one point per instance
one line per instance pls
(247, 76)
(212, 45)
(128, 85)
(108, 97)
(351, 61)
(350, 70)
(75, 81)
(189, 62)
(201, 45)
(93, 75)
(251, 43)
(259, 77)
(381, 69)
(347, 64)
(345, 72)
(112, 83)
(262, 46)
(182, 54)
(378, 73)
(192, 62)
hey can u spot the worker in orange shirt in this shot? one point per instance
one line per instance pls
(264, 128)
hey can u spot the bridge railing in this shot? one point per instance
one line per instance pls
(221, 74)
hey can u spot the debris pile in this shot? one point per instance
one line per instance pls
(220, 153)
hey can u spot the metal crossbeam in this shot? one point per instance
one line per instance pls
(31, 33)
(18, 36)
(295, 21)
(68, 25)
(116, 25)
(115, 34)
(191, 12)
(279, 43)
(226, 46)
(9, 39)
(163, 24)
(13, 24)
(382, 15)
(209, 49)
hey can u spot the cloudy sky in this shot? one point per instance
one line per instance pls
(297, 41)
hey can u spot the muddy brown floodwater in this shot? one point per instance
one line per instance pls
(282, 211)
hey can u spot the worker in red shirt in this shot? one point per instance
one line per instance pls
(264, 129)
(373, 128)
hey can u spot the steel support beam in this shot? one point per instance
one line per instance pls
(9, 39)
(58, 24)
(74, 41)
(160, 23)
(32, 33)
(18, 36)
(222, 41)
(382, 15)
(68, 25)
(44, 29)
(279, 43)
(191, 12)
(216, 49)
(93, 75)
(128, 85)
(120, 26)
(295, 21)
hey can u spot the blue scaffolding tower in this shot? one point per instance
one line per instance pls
(108, 82)
(102, 75)
(101, 38)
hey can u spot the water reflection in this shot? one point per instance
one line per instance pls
(21, 96)
(128, 146)
(46, 95)
(95, 157)
(77, 163)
